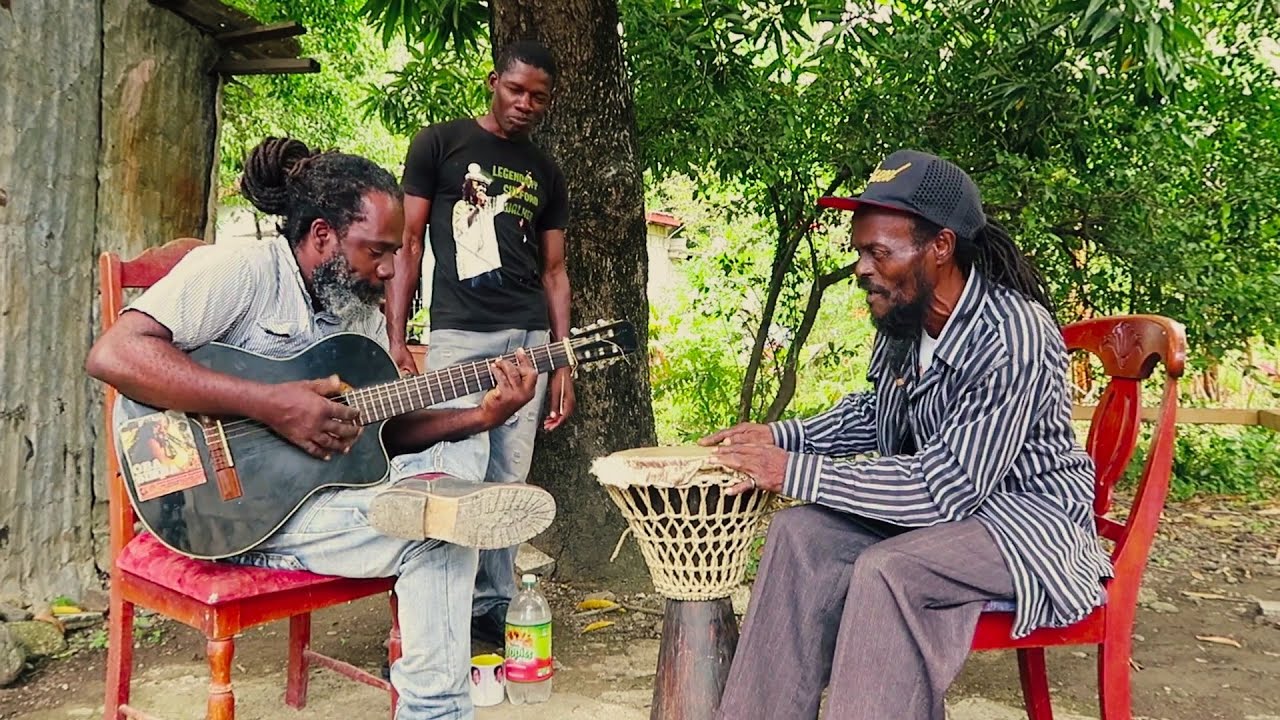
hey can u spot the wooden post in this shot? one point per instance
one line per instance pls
(698, 642)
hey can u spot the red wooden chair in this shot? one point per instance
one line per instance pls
(1129, 348)
(218, 599)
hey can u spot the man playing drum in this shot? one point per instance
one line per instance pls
(978, 489)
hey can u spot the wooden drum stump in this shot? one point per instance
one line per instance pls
(695, 540)
(699, 638)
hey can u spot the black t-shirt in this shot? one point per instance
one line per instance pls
(491, 200)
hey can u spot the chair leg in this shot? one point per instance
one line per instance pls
(119, 654)
(394, 648)
(222, 699)
(1114, 692)
(1035, 684)
(295, 694)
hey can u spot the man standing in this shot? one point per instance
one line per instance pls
(979, 490)
(497, 207)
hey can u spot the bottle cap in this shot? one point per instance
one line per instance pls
(529, 579)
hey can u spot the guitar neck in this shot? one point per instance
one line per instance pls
(388, 400)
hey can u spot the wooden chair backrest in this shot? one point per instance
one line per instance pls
(114, 277)
(1129, 348)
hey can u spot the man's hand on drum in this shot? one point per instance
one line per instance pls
(749, 448)
(765, 465)
(741, 434)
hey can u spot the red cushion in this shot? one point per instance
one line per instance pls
(207, 581)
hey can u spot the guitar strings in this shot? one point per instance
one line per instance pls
(390, 392)
(249, 448)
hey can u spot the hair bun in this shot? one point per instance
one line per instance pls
(268, 170)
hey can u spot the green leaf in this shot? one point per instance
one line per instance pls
(1105, 25)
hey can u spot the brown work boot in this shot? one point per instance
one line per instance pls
(478, 515)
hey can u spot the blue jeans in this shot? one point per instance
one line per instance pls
(330, 535)
(501, 455)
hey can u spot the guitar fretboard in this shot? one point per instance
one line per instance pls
(387, 400)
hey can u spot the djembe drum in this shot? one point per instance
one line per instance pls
(696, 540)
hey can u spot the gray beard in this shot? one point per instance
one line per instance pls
(340, 291)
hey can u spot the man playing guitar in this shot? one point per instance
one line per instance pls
(343, 220)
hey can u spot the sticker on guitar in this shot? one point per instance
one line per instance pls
(162, 454)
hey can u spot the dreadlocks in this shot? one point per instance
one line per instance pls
(993, 252)
(284, 177)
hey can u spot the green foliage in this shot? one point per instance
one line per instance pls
(320, 109)
(434, 25)
(1242, 462)
(147, 631)
(1132, 148)
(1235, 461)
(694, 374)
(431, 87)
(701, 327)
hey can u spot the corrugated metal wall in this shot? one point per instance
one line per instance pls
(107, 120)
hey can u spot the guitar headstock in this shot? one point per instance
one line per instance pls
(604, 340)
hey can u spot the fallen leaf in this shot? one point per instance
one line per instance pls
(1216, 523)
(596, 604)
(1218, 640)
(1205, 596)
(597, 625)
(46, 616)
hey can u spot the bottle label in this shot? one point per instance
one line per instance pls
(528, 650)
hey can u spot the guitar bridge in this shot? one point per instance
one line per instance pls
(224, 464)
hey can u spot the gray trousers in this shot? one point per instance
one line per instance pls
(883, 615)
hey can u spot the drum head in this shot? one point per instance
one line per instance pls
(673, 452)
(667, 466)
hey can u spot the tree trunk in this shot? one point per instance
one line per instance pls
(49, 127)
(591, 132)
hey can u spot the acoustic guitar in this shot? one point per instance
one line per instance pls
(214, 487)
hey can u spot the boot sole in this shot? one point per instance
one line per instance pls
(489, 517)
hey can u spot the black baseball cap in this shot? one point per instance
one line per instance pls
(924, 185)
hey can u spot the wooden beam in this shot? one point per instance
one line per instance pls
(1201, 416)
(267, 66)
(262, 33)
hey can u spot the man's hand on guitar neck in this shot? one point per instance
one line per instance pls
(303, 414)
(513, 389)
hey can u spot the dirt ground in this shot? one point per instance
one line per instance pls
(1199, 653)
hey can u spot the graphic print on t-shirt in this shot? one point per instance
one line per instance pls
(474, 234)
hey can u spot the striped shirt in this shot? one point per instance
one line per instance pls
(990, 424)
(248, 295)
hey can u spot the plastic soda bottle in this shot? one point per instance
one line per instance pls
(528, 645)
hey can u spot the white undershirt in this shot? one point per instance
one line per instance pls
(929, 344)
